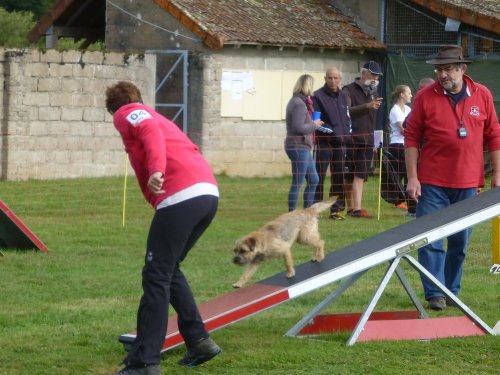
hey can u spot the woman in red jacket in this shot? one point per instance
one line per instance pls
(178, 182)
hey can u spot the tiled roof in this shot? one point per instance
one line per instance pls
(484, 14)
(284, 23)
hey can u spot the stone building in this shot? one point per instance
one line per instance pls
(224, 69)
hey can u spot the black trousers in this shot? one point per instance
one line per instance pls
(330, 153)
(173, 232)
(398, 151)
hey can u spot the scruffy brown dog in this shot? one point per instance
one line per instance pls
(276, 239)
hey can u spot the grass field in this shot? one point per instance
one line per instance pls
(62, 312)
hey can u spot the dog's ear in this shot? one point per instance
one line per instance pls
(251, 242)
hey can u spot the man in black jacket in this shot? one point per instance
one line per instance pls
(330, 147)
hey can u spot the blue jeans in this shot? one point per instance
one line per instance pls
(302, 168)
(446, 266)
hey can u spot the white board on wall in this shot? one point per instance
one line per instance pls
(264, 102)
(260, 94)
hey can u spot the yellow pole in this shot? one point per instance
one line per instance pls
(495, 250)
(124, 190)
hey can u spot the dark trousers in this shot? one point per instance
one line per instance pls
(398, 151)
(173, 232)
(330, 154)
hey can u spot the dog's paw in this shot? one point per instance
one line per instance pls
(317, 259)
(237, 285)
(290, 274)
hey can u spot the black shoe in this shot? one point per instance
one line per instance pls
(201, 352)
(437, 303)
(144, 370)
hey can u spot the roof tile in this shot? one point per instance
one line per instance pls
(484, 14)
(306, 23)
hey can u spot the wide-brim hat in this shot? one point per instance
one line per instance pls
(449, 55)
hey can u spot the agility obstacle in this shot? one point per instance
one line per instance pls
(495, 250)
(14, 234)
(350, 263)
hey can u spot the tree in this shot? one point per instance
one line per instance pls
(15, 27)
(36, 7)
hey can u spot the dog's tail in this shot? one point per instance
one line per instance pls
(323, 205)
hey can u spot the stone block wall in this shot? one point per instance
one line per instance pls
(53, 120)
(54, 123)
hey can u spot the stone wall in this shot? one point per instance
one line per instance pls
(54, 123)
(53, 120)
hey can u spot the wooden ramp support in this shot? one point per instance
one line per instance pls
(350, 263)
(14, 234)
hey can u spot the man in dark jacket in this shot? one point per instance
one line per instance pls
(330, 147)
(363, 102)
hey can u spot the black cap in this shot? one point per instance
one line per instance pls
(374, 68)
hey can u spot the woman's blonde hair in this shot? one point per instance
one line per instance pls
(397, 92)
(304, 85)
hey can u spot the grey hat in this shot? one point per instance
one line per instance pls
(448, 55)
(373, 67)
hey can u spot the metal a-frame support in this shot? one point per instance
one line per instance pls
(391, 270)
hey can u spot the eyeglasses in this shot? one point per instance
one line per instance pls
(447, 69)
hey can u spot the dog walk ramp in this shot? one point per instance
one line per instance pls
(350, 262)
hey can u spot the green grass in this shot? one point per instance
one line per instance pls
(62, 312)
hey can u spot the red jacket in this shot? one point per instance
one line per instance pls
(445, 159)
(155, 144)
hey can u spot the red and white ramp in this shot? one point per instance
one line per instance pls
(348, 262)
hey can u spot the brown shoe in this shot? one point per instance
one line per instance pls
(360, 213)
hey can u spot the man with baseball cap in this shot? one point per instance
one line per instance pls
(363, 101)
(449, 121)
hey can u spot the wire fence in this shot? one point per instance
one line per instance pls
(417, 32)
